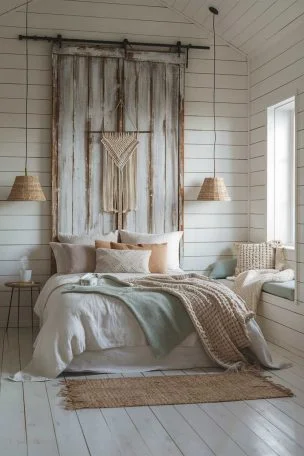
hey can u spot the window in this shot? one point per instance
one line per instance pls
(281, 172)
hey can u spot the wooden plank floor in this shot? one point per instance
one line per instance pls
(33, 422)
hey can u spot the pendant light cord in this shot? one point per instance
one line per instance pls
(26, 86)
(214, 117)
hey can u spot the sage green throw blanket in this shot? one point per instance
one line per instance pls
(161, 315)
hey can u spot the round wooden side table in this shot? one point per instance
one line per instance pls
(21, 286)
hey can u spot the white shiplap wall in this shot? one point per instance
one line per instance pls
(210, 228)
(276, 75)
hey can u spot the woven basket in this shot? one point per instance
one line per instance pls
(213, 189)
(26, 188)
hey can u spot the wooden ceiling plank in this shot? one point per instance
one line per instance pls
(180, 5)
(193, 7)
(203, 12)
(224, 8)
(8, 6)
(256, 10)
(235, 15)
(202, 27)
(278, 27)
(261, 22)
(110, 11)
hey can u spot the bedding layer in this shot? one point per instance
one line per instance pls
(162, 316)
(74, 324)
(218, 315)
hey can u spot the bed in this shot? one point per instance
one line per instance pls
(96, 333)
(124, 345)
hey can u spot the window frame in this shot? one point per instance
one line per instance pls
(270, 172)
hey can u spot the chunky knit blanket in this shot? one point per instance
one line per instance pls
(218, 314)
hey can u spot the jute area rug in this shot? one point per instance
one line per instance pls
(165, 390)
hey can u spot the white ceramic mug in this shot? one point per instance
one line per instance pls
(25, 275)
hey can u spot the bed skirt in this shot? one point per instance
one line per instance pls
(136, 359)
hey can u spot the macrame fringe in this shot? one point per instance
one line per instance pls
(119, 172)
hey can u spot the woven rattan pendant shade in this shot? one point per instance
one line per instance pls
(26, 188)
(213, 189)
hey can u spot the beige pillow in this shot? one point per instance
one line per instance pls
(74, 258)
(113, 261)
(172, 239)
(254, 256)
(87, 239)
(99, 244)
(158, 258)
(281, 261)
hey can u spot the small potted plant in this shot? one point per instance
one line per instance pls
(24, 272)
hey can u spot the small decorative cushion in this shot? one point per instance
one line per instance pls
(223, 268)
(74, 258)
(172, 240)
(113, 261)
(158, 258)
(102, 244)
(280, 259)
(87, 239)
(254, 256)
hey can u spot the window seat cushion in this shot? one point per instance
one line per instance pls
(284, 290)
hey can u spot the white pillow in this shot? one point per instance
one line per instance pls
(87, 238)
(172, 240)
(113, 261)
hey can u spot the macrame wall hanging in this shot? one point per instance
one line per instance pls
(119, 170)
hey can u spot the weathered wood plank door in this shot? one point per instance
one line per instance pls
(88, 82)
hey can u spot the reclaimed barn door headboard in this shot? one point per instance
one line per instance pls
(88, 82)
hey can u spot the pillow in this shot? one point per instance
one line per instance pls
(254, 256)
(102, 244)
(158, 258)
(74, 258)
(281, 262)
(111, 260)
(171, 239)
(223, 268)
(87, 239)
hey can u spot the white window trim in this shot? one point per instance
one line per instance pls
(270, 220)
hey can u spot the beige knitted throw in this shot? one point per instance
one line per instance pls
(218, 314)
